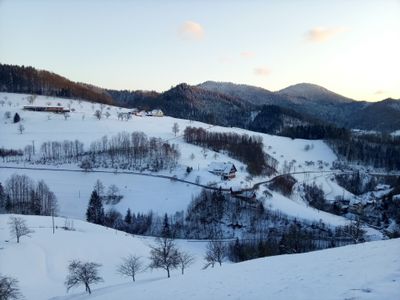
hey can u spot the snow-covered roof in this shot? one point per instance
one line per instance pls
(221, 167)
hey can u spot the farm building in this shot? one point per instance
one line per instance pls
(141, 113)
(55, 109)
(223, 169)
(157, 113)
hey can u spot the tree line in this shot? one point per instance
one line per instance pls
(28, 80)
(376, 150)
(123, 150)
(215, 215)
(21, 195)
(248, 149)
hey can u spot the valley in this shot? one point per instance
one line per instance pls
(169, 189)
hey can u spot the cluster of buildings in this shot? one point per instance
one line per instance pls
(150, 113)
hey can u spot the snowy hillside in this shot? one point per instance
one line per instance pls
(142, 194)
(363, 271)
(40, 261)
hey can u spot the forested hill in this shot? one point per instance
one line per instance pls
(295, 108)
(28, 80)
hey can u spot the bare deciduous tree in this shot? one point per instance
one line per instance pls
(21, 128)
(31, 98)
(164, 255)
(9, 289)
(215, 253)
(130, 266)
(18, 228)
(86, 164)
(98, 114)
(175, 128)
(185, 260)
(85, 273)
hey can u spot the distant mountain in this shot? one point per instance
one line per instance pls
(251, 94)
(301, 92)
(222, 103)
(190, 102)
(380, 116)
(304, 98)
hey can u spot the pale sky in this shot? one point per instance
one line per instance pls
(350, 47)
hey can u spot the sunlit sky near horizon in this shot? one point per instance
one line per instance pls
(350, 47)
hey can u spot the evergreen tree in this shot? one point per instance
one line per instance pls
(95, 210)
(2, 199)
(17, 118)
(128, 217)
(36, 205)
(166, 231)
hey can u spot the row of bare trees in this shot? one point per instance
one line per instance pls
(134, 151)
(123, 150)
(61, 152)
(22, 195)
(164, 254)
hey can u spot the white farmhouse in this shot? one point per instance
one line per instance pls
(157, 113)
(226, 170)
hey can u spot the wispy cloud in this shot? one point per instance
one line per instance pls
(379, 92)
(323, 34)
(262, 71)
(247, 54)
(191, 31)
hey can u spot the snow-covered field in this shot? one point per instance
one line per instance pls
(145, 193)
(40, 261)
(363, 271)
(141, 193)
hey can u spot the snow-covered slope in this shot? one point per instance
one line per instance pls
(366, 271)
(363, 271)
(40, 262)
(145, 193)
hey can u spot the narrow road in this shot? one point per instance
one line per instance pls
(172, 178)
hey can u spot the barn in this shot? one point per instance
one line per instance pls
(54, 109)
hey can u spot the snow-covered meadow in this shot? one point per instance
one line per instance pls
(366, 271)
(363, 271)
(142, 194)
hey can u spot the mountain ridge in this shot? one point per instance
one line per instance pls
(223, 103)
